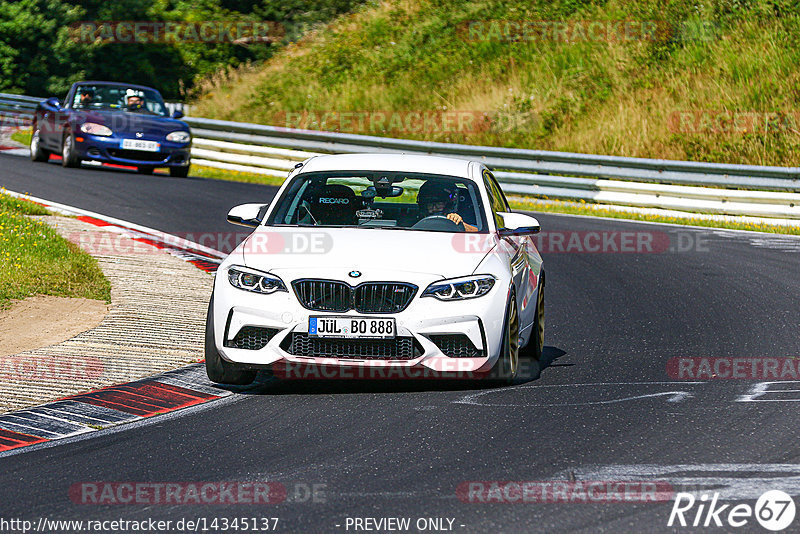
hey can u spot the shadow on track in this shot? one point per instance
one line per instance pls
(267, 384)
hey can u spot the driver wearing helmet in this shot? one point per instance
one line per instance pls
(440, 199)
(134, 99)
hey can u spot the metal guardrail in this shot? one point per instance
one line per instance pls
(17, 109)
(760, 191)
(651, 183)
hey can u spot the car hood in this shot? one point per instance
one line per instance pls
(126, 122)
(293, 253)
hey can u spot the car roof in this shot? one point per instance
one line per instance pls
(131, 85)
(389, 162)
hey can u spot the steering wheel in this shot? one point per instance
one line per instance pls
(439, 223)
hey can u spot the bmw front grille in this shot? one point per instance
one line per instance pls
(369, 297)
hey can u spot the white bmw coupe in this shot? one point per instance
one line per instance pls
(379, 265)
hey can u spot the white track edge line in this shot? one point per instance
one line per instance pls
(160, 236)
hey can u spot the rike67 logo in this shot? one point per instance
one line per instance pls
(774, 510)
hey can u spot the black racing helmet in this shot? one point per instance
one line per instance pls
(434, 191)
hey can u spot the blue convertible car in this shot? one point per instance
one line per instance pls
(117, 123)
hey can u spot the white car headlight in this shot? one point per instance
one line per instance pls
(468, 287)
(179, 137)
(254, 281)
(92, 128)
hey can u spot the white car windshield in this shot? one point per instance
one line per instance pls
(387, 200)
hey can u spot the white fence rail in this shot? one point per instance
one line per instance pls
(715, 188)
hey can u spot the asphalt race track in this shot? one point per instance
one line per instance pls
(606, 408)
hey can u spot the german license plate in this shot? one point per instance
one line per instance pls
(139, 144)
(352, 327)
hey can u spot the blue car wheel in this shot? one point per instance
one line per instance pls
(37, 152)
(68, 156)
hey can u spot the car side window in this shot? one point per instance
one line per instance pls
(496, 199)
(500, 194)
(500, 203)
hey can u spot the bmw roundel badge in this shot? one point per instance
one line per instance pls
(354, 274)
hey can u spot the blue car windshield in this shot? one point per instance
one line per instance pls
(119, 97)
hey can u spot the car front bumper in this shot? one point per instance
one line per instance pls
(108, 150)
(422, 323)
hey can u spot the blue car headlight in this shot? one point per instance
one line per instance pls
(92, 128)
(255, 281)
(467, 287)
(179, 137)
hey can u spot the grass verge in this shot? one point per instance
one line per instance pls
(22, 136)
(35, 260)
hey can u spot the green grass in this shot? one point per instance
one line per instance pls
(616, 97)
(22, 136)
(35, 260)
(16, 206)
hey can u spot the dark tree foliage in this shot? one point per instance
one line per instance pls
(41, 52)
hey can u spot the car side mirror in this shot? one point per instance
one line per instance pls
(53, 102)
(518, 224)
(177, 114)
(247, 214)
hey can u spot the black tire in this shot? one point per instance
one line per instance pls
(145, 170)
(179, 172)
(531, 354)
(217, 369)
(68, 156)
(505, 370)
(37, 152)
